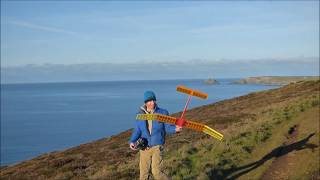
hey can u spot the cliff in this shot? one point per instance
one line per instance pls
(276, 80)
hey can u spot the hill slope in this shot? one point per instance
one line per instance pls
(268, 134)
(276, 80)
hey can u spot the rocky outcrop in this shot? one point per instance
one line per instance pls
(210, 81)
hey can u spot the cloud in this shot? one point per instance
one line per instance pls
(300, 66)
(40, 27)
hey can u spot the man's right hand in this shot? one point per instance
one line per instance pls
(178, 129)
(132, 146)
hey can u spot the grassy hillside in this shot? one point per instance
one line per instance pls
(276, 80)
(271, 134)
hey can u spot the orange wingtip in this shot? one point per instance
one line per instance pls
(192, 92)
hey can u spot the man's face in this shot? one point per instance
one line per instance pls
(150, 104)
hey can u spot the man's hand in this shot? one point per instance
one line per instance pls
(178, 129)
(132, 147)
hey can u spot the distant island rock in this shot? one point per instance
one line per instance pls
(210, 81)
(275, 80)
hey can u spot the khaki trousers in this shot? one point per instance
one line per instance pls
(152, 158)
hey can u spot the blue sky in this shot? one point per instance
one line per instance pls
(76, 32)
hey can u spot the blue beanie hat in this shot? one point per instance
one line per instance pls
(149, 95)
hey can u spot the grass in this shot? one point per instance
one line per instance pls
(240, 148)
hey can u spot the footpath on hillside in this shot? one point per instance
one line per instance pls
(290, 156)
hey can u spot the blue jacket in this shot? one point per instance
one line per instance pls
(158, 132)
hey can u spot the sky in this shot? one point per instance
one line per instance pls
(50, 37)
(73, 32)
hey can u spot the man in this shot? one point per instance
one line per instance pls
(154, 132)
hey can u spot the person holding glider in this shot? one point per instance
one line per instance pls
(152, 126)
(181, 121)
(149, 137)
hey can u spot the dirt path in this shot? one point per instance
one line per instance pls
(280, 167)
(298, 157)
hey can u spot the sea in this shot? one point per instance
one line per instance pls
(40, 118)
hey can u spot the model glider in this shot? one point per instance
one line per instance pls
(182, 122)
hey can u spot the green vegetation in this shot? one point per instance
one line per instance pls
(220, 160)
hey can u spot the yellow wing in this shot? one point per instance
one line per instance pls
(203, 128)
(159, 117)
(188, 124)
